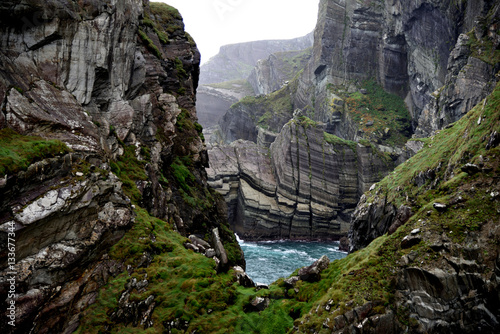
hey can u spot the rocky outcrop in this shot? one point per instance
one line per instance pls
(236, 61)
(312, 273)
(213, 104)
(305, 187)
(277, 70)
(116, 84)
(394, 43)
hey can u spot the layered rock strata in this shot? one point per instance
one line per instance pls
(396, 44)
(116, 84)
(304, 187)
(277, 70)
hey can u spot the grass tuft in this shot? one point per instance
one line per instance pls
(17, 151)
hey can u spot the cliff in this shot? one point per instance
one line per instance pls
(397, 45)
(305, 187)
(236, 61)
(277, 70)
(98, 137)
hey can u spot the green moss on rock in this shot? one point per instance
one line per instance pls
(17, 151)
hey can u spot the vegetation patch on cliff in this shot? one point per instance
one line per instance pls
(271, 111)
(17, 151)
(383, 117)
(130, 169)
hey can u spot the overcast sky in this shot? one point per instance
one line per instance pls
(214, 23)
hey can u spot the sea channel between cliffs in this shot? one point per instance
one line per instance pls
(267, 261)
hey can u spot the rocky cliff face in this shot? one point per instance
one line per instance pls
(396, 43)
(305, 187)
(356, 43)
(277, 70)
(436, 267)
(115, 84)
(236, 61)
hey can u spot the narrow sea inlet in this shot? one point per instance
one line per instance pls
(268, 261)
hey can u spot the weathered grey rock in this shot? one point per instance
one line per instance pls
(468, 81)
(312, 273)
(243, 278)
(370, 220)
(259, 304)
(290, 282)
(440, 207)
(494, 140)
(219, 250)
(236, 61)
(470, 169)
(192, 247)
(410, 241)
(199, 241)
(275, 71)
(304, 188)
(210, 253)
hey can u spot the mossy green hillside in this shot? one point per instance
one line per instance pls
(376, 111)
(185, 285)
(18, 151)
(369, 274)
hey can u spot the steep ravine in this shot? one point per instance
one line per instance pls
(304, 187)
(362, 51)
(116, 230)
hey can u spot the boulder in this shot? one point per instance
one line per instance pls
(258, 304)
(440, 207)
(242, 277)
(198, 241)
(220, 251)
(312, 273)
(470, 169)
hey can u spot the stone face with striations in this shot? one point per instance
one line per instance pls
(99, 79)
(305, 187)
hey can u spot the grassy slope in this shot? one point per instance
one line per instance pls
(368, 275)
(17, 152)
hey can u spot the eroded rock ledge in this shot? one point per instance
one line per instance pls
(304, 187)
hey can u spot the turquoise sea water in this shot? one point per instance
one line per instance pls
(270, 260)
